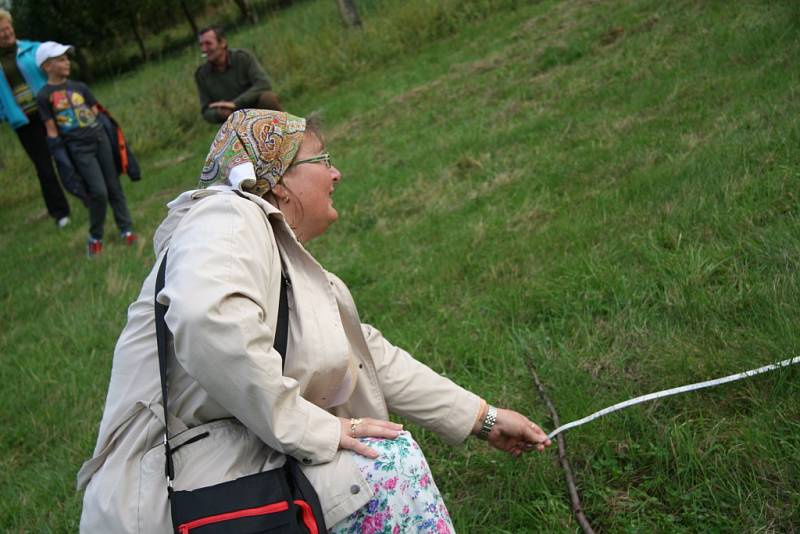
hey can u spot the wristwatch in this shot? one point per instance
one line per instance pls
(488, 423)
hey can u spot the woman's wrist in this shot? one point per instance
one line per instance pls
(482, 410)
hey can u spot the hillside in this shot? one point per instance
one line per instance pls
(608, 190)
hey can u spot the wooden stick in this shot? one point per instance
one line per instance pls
(577, 509)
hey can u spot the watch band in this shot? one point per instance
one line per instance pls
(488, 423)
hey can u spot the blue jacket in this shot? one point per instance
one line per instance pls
(26, 62)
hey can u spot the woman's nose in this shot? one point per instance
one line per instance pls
(335, 174)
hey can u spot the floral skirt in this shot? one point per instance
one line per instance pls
(406, 498)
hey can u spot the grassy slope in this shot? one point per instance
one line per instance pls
(607, 187)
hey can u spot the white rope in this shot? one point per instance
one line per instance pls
(673, 391)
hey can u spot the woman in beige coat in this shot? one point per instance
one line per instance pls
(266, 190)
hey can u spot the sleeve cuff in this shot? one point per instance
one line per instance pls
(457, 426)
(320, 442)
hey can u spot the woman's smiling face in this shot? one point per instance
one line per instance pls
(311, 185)
(7, 35)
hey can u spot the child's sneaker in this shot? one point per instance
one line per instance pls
(129, 237)
(62, 222)
(94, 247)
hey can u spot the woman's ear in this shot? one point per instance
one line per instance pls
(281, 193)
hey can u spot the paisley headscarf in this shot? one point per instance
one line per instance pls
(252, 150)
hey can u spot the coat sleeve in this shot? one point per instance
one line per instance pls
(70, 178)
(415, 391)
(259, 81)
(222, 288)
(409, 387)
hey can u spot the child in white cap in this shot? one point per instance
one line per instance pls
(69, 111)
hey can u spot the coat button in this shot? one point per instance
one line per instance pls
(354, 489)
(307, 461)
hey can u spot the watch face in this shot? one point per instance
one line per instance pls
(488, 423)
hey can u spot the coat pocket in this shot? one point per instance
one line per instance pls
(204, 455)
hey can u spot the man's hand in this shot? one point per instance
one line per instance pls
(224, 108)
(223, 104)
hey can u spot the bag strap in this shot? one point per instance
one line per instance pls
(161, 340)
(162, 331)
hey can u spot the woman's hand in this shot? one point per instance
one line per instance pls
(355, 428)
(514, 433)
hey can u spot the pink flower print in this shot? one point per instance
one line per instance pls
(390, 483)
(441, 527)
(396, 529)
(372, 524)
(406, 509)
(425, 480)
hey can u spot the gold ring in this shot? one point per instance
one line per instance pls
(354, 422)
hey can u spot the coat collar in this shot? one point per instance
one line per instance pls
(179, 206)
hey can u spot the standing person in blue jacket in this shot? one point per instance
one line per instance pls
(20, 80)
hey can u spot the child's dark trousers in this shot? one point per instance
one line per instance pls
(95, 163)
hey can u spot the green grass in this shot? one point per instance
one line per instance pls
(608, 189)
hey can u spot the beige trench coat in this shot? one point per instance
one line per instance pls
(222, 288)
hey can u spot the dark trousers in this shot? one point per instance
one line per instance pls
(33, 137)
(94, 161)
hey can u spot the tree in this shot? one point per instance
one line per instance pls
(150, 15)
(248, 13)
(189, 17)
(74, 22)
(347, 8)
(135, 26)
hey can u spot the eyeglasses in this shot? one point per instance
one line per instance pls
(322, 158)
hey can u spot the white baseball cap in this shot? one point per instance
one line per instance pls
(50, 49)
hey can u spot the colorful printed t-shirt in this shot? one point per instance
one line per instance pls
(23, 94)
(70, 105)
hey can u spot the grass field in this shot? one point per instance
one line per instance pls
(606, 189)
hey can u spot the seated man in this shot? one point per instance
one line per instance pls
(230, 79)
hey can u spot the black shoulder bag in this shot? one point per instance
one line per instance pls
(281, 500)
